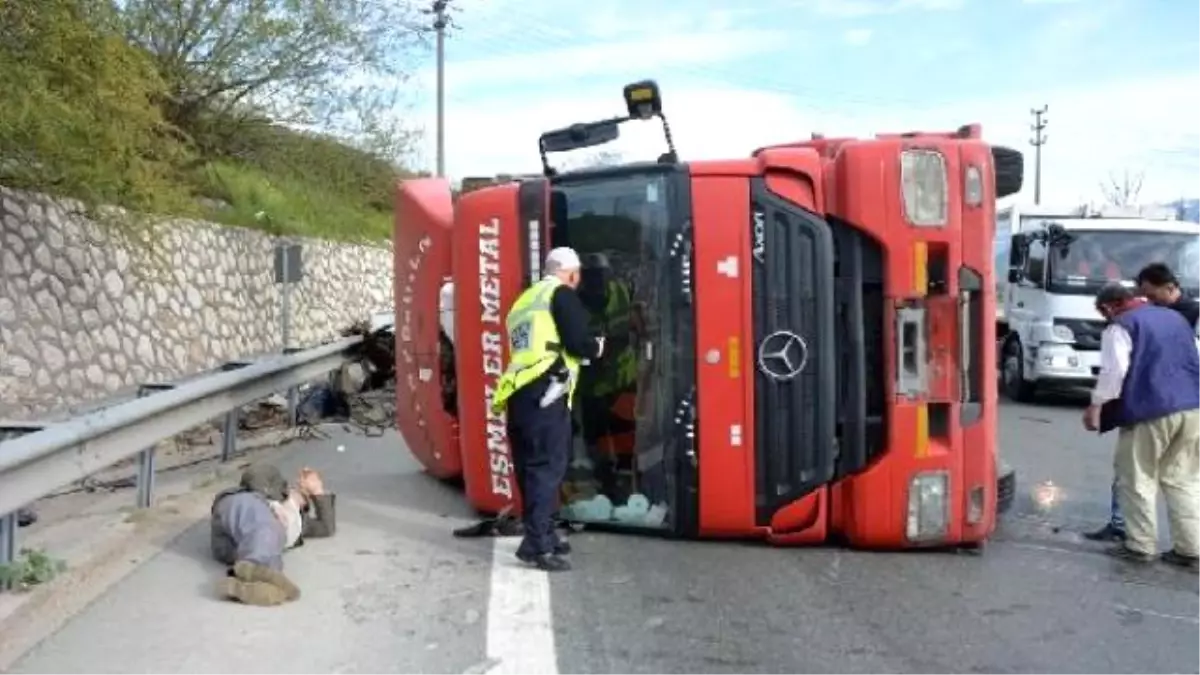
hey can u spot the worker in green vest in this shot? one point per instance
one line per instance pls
(609, 303)
(549, 341)
(603, 387)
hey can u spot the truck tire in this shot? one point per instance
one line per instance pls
(1010, 170)
(1012, 374)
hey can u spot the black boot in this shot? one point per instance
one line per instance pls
(1125, 553)
(562, 547)
(547, 562)
(1178, 559)
(1106, 533)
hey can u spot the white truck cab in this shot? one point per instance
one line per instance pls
(1056, 261)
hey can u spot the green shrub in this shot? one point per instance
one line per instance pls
(30, 568)
(82, 114)
(78, 110)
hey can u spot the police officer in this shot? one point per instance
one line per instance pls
(1158, 284)
(549, 340)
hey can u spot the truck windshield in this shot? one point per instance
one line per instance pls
(1095, 257)
(623, 225)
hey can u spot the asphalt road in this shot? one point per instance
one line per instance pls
(394, 592)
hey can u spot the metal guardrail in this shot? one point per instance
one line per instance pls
(55, 454)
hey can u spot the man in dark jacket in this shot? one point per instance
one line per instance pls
(1149, 385)
(1159, 285)
(255, 522)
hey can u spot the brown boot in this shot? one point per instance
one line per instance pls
(255, 593)
(253, 572)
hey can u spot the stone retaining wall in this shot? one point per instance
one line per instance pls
(83, 317)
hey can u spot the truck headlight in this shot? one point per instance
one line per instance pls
(924, 187)
(1063, 333)
(928, 506)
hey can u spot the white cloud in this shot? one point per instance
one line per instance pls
(858, 36)
(614, 59)
(1071, 35)
(930, 5)
(609, 21)
(1146, 125)
(852, 9)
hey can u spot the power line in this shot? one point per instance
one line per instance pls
(1038, 140)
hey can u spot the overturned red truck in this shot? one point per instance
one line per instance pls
(800, 342)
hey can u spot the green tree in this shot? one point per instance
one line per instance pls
(78, 109)
(329, 64)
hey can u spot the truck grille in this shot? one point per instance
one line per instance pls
(795, 358)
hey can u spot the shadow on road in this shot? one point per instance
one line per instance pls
(1059, 398)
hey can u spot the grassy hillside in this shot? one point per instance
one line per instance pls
(307, 184)
(85, 114)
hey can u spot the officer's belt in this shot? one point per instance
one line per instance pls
(555, 350)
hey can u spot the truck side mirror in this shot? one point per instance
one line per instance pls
(1018, 252)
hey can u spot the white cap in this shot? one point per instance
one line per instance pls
(562, 259)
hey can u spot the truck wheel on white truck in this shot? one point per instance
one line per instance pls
(1012, 370)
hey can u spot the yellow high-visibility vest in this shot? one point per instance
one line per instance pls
(619, 372)
(533, 343)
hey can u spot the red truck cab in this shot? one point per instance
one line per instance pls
(800, 344)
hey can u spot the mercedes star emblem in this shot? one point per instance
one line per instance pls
(782, 355)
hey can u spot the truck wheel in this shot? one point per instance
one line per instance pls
(1009, 165)
(1013, 374)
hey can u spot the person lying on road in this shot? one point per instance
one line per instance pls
(255, 522)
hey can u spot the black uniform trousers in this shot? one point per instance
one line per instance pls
(541, 451)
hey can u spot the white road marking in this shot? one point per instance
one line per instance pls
(520, 631)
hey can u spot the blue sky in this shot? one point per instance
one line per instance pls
(1121, 78)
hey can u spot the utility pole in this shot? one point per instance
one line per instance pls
(439, 24)
(1038, 140)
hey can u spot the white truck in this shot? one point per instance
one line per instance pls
(1047, 328)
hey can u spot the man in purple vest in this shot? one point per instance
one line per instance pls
(1159, 285)
(1149, 387)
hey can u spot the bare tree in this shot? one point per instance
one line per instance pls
(1123, 190)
